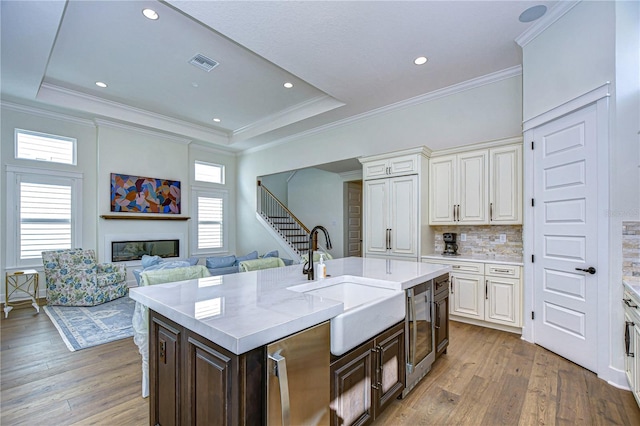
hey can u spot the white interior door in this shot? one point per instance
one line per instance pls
(565, 241)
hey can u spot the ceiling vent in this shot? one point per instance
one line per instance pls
(203, 62)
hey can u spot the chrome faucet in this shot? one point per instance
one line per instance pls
(308, 266)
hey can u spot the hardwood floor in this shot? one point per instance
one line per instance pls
(487, 377)
(42, 382)
(490, 377)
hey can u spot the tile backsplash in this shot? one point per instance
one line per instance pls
(631, 249)
(483, 240)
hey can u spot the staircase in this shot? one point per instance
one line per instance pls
(276, 214)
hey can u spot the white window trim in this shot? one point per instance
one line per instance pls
(13, 258)
(74, 141)
(211, 192)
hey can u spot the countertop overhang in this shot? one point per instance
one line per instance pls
(243, 311)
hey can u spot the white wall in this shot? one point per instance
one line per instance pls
(103, 148)
(16, 116)
(278, 184)
(491, 111)
(595, 43)
(316, 198)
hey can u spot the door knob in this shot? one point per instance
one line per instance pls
(590, 270)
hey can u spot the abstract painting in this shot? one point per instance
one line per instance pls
(134, 194)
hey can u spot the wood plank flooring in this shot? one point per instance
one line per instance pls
(487, 377)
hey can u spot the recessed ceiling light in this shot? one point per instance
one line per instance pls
(217, 120)
(420, 60)
(533, 13)
(150, 14)
(288, 85)
(101, 84)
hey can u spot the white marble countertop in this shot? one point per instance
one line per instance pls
(633, 285)
(246, 310)
(481, 258)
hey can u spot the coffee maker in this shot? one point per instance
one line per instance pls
(450, 246)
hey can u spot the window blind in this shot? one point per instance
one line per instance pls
(45, 218)
(210, 221)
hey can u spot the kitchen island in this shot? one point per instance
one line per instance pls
(221, 327)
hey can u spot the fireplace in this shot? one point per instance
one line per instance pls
(123, 251)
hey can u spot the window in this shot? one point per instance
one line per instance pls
(43, 147)
(207, 172)
(43, 213)
(210, 225)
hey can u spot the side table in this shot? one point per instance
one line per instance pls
(17, 282)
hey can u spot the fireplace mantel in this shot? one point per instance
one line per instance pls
(141, 217)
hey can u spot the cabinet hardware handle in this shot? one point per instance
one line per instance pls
(280, 371)
(455, 266)
(627, 338)
(629, 303)
(163, 352)
(490, 211)
(458, 213)
(504, 271)
(590, 270)
(486, 289)
(452, 282)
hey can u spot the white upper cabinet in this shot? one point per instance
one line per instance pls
(442, 198)
(477, 187)
(459, 189)
(391, 216)
(395, 190)
(388, 167)
(505, 176)
(473, 188)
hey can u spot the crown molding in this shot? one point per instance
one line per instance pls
(555, 13)
(122, 126)
(427, 97)
(351, 175)
(287, 116)
(421, 150)
(213, 149)
(82, 101)
(482, 145)
(46, 114)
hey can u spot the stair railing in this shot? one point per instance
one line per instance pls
(272, 210)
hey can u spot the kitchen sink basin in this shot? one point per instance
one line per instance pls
(370, 307)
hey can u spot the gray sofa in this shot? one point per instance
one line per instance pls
(217, 265)
(230, 264)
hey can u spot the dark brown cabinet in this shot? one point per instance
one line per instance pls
(441, 313)
(196, 382)
(368, 378)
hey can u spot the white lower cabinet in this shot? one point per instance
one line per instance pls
(631, 304)
(485, 294)
(467, 296)
(502, 300)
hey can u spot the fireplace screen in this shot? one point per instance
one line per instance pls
(122, 251)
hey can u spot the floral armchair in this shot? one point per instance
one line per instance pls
(75, 278)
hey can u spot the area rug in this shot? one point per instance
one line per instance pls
(82, 327)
